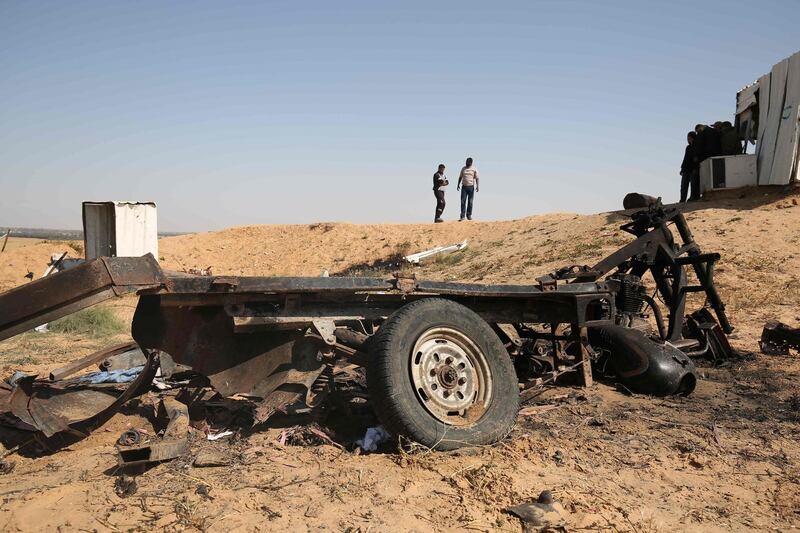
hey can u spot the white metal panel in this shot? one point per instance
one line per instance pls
(777, 90)
(740, 171)
(746, 98)
(136, 227)
(705, 175)
(763, 109)
(786, 141)
(98, 229)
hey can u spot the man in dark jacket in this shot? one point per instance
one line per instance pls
(689, 173)
(731, 143)
(439, 184)
(708, 143)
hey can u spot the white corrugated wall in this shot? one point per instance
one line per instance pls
(779, 122)
(136, 229)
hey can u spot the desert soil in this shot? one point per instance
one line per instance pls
(726, 458)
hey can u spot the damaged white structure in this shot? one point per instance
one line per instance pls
(120, 229)
(767, 115)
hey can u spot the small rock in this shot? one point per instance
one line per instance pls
(6, 467)
(697, 461)
(125, 486)
(210, 458)
(203, 489)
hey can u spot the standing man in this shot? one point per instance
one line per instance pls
(439, 184)
(468, 183)
(689, 168)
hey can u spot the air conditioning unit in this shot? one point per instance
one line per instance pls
(728, 172)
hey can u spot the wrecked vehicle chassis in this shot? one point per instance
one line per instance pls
(445, 361)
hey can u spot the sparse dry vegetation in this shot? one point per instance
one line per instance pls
(94, 321)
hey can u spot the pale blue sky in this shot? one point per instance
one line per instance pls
(230, 113)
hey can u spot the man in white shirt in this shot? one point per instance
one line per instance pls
(468, 183)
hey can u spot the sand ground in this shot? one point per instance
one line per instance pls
(726, 458)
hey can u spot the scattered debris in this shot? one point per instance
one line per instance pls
(125, 356)
(70, 405)
(125, 486)
(16, 376)
(416, 258)
(99, 356)
(220, 435)
(777, 338)
(174, 443)
(5, 241)
(374, 437)
(130, 437)
(309, 435)
(199, 271)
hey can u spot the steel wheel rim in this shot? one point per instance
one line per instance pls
(451, 376)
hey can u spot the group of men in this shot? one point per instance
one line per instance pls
(467, 184)
(702, 143)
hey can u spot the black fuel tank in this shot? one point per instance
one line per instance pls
(645, 365)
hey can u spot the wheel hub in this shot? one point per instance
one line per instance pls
(450, 375)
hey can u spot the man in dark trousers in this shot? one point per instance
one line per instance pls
(689, 168)
(439, 184)
(468, 183)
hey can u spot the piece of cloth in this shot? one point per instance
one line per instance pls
(467, 195)
(439, 194)
(468, 176)
(373, 438)
(439, 181)
(125, 375)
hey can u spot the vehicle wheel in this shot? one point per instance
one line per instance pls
(440, 376)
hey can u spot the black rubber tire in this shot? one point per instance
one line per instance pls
(392, 393)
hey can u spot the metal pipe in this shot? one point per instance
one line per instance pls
(662, 330)
(704, 275)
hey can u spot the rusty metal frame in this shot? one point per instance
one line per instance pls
(46, 299)
(655, 250)
(272, 338)
(777, 338)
